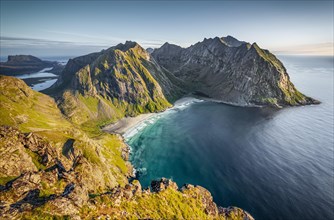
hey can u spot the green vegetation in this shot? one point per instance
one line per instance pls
(271, 58)
(193, 203)
(102, 151)
(6, 179)
(271, 101)
(169, 204)
(36, 159)
(48, 189)
(290, 94)
(28, 110)
(108, 86)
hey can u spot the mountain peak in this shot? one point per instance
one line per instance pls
(150, 50)
(126, 46)
(169, 45)
(231, 41)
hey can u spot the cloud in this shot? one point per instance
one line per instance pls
(17, 42)
(326, 49)
(44, 47)
(26, 42)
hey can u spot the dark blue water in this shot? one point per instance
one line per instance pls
(274, 164)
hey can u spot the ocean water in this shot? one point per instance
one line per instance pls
(273, 164)
(40, 74)
(42, 79)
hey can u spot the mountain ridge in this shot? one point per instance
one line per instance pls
(234, 72)
(121, 77)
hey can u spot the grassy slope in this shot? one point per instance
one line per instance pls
(32, 111)
(89, 106)
(291, 95)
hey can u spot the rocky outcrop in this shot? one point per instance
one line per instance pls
(162, 184)
(20, 64)
(45, 177)
(231, 71)
(48, 178)
(164, 194)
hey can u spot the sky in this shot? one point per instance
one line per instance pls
(72, 28)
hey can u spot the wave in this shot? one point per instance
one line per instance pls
(179, 105)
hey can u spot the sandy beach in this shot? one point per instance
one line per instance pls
(125, 124)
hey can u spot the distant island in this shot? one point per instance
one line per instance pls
(21, 64)
(57, 162)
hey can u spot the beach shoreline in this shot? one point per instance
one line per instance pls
(125, 124)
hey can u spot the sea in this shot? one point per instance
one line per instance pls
(43, 79)
(275, 164)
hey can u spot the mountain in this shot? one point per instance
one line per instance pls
(121, 81)
(149, 50)
(20, 64)
(52, 168)
(231, 41)
(231, 71)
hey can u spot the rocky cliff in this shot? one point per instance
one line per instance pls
(231, 71)
(51, 168)
(20, 64)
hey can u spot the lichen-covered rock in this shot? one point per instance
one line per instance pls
(61, 206)
(162, 184)
(234, 213)
(207, 200)
(136, 187)
(14, 157)
(62, 177)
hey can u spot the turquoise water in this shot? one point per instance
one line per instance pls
(274, 164)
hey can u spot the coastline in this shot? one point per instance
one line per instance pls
(128, 124)
(125, 124)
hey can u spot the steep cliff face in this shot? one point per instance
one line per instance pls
(51, 168)
(122, 80)
(231, 71)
